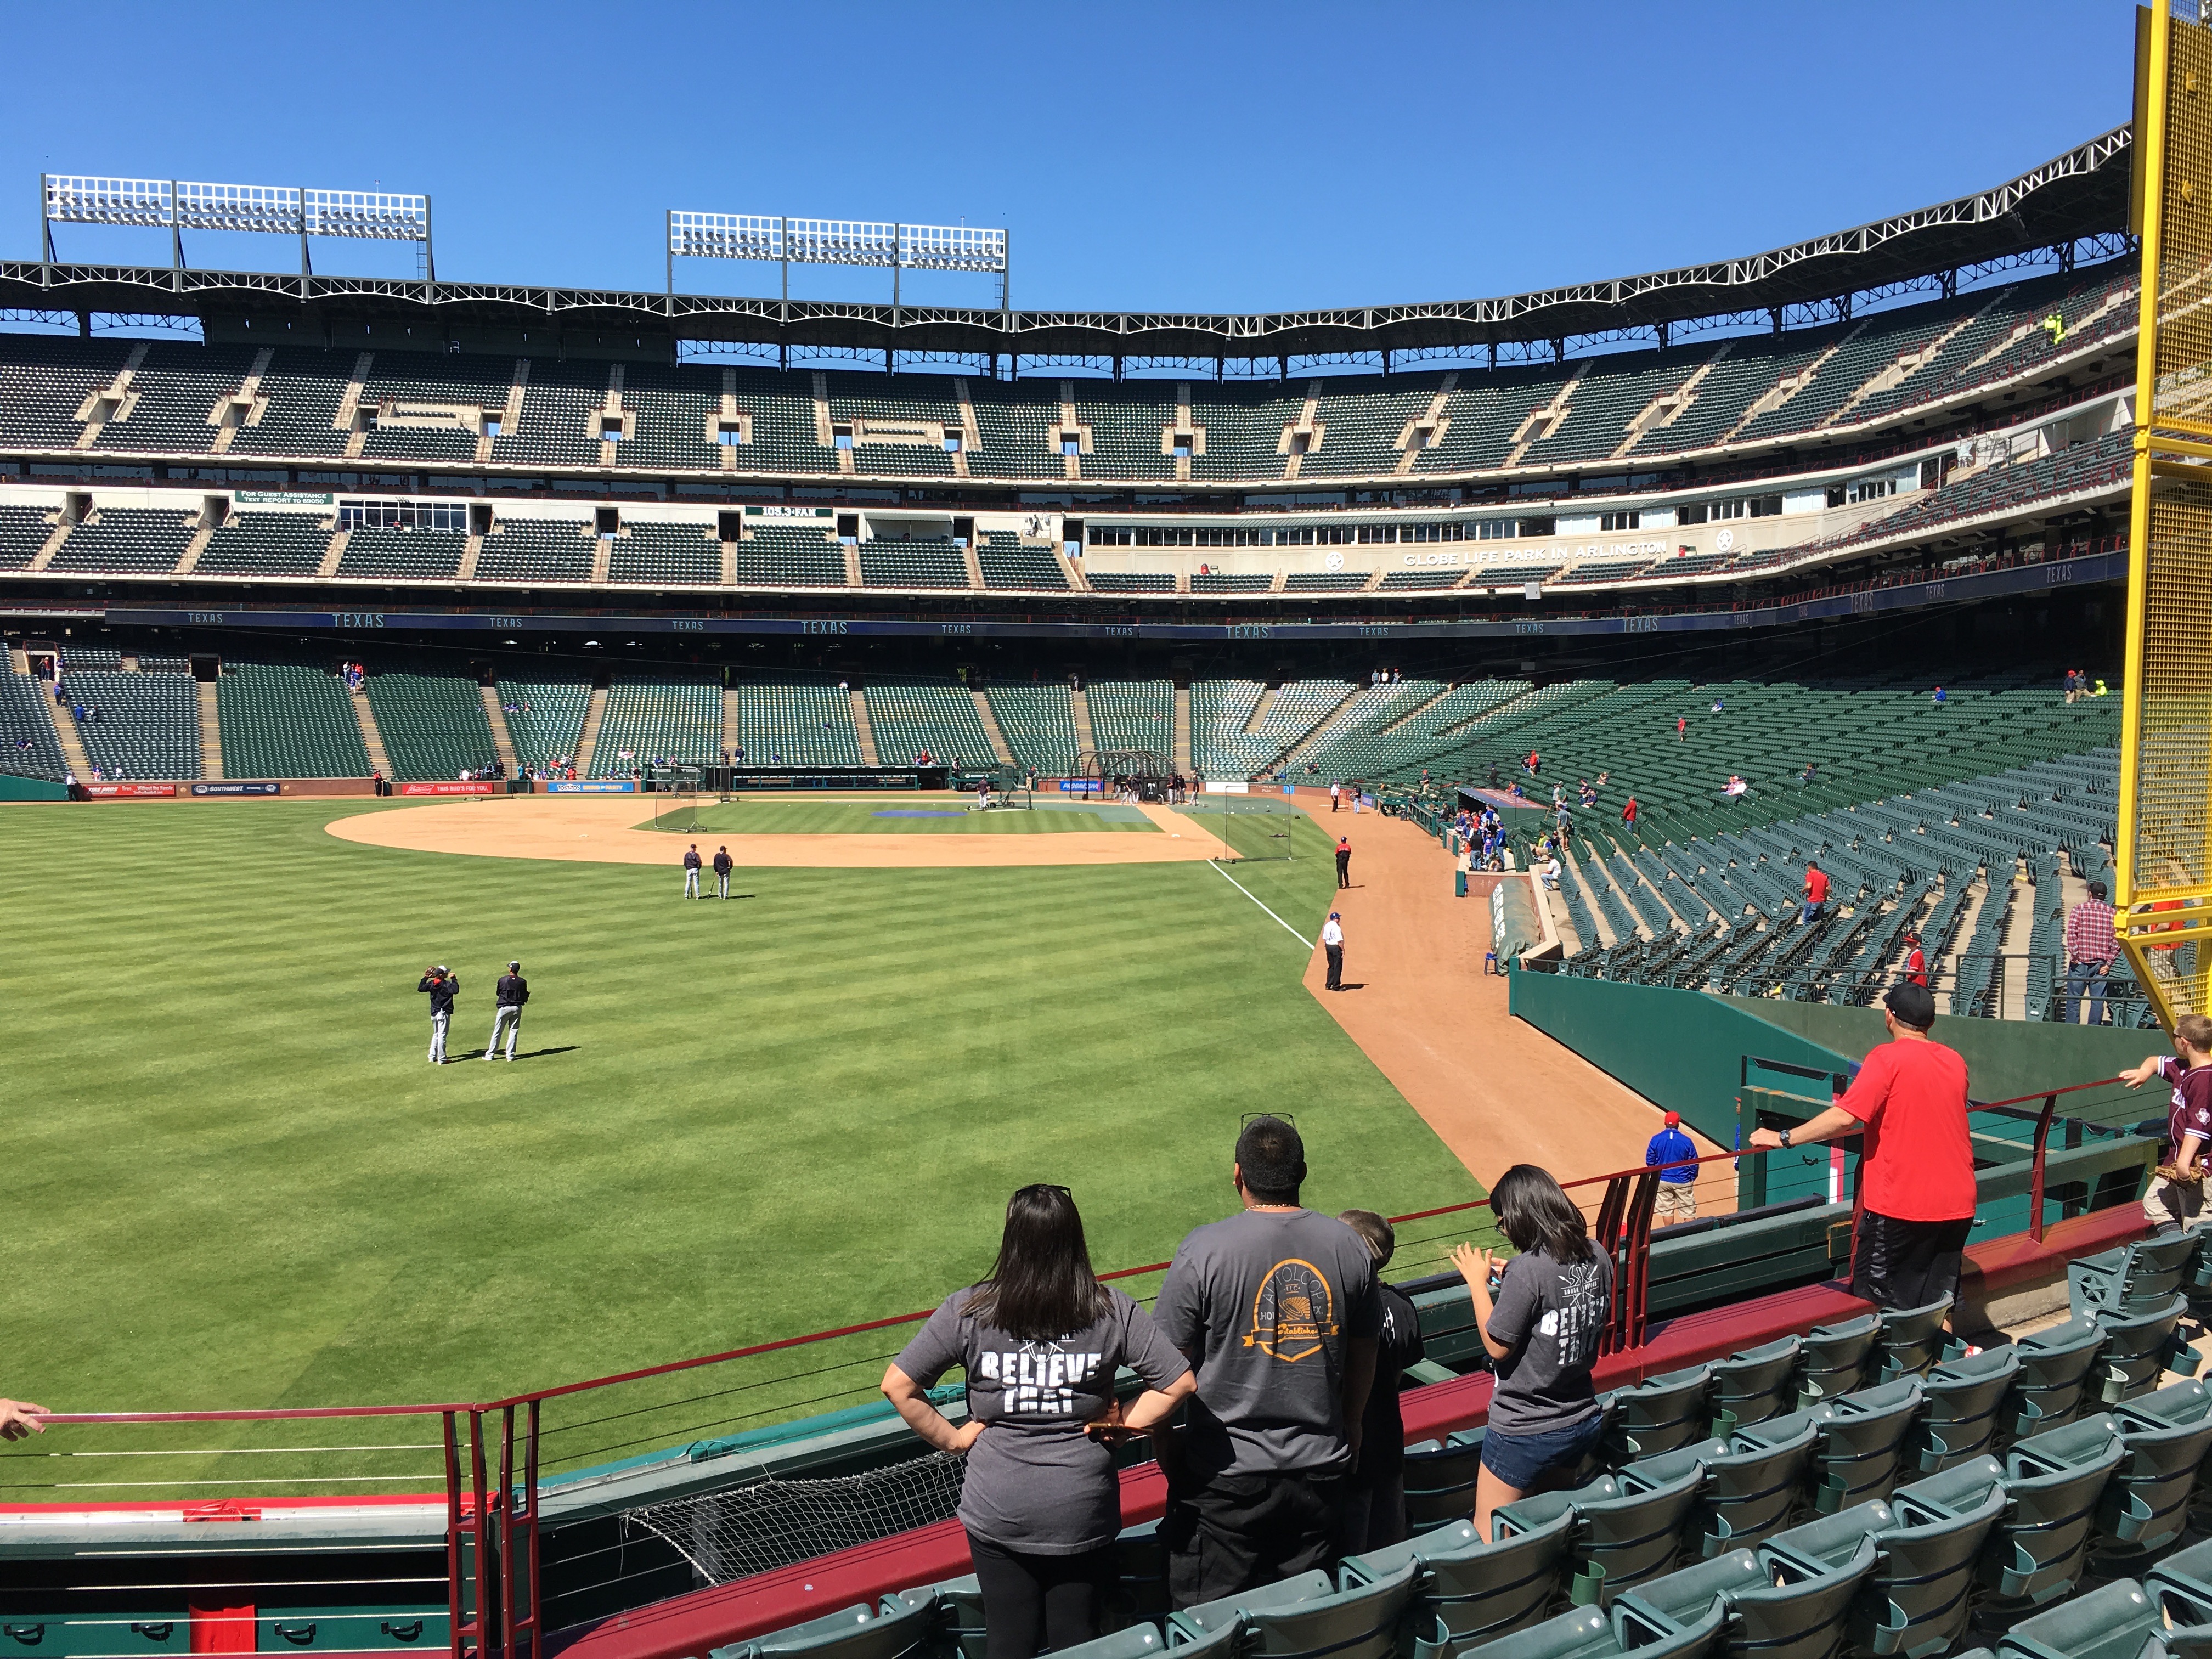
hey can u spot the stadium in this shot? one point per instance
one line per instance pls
(914, 751)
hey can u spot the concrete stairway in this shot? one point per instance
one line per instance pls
(1184, 763)
(72, 743)
(991, 730)
(595, 712)
(1079, 701)
(502, 740)
(731, 723)
(210, 730)
(861, 724)
(373, 739)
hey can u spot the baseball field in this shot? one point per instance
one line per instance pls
(234, 1181)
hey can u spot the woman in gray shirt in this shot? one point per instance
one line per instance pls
(1040, 1340)
(1541, 1332)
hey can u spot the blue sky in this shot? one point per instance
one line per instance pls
(1144, 156)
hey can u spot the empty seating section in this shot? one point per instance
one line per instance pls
(125, 538)
(560, 423)
(789, 555)
(1038, 722)
(544, 717)
(1414, 580)
(795, 721)
(288, 721)
(1213, 583)
(141, 725)
(1325, 581)
(23, 531)
(645, 552)
(432, 722)
(251, 543)
(1133, 714)
(912, 715)
(301, 393)
(1128, 581)
(917, 562)
(536, 551)
(676, 417)
(380, 550)
(1007, 562)
(28, 747)
(654, 717)
(178, 387)
(46, 381)
(1219, 711)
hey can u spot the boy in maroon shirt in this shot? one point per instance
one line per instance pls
(1916, 1180)
(2176, 1197)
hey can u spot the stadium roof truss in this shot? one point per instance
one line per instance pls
(2081, 196)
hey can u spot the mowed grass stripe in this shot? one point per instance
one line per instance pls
(234, 1180)
(948, 815)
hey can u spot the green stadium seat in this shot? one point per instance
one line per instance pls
(1658, 1414)
(1440, 1479)
(2055, 1368)
(1753, 1487)
(2138, 1348)
(1194, 1624)
(2113, 1621)
(1629, 1526)
(2168, 1436)
(1960, 1408)
(1755, 1384)
(1589, 1633)
(1917, 1600)
(857, 1632)
(1911, 1340)
(1779, 1607)
(1469, 1592)
(1862, 1437)
(2136, 1278)
(1136, 1641)
(2054, 1482)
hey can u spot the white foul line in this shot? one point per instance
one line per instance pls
(1247, 892)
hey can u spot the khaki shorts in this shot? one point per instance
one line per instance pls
(2173, 1203)
(1678, 1201)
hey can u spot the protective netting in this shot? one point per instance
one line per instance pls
(742, 1530)
(2184, 281)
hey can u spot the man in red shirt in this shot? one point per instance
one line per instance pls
(1628, 812)
(1916, 962)
(1917, 1181)
(2176, 1197)
(1816, 892)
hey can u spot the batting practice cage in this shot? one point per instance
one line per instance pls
(683, 790)
(1010, 789)
(1135, 771)
(1252, 827)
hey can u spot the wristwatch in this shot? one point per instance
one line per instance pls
(1785, 1139)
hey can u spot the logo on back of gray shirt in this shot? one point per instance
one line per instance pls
(1039, 1378)
(1294, 1311)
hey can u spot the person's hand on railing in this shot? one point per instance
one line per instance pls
(20, 1418)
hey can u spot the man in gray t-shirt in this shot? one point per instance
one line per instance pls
(1278, 1309)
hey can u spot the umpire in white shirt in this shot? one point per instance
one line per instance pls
(1332, 940)
(510, 994)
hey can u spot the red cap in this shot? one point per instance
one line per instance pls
(1673, 1119)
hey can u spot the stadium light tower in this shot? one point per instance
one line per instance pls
(788, 241)
(264, 209)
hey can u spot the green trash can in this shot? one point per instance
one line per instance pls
(1459, 884)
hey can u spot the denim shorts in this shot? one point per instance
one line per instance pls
(1522, 1460)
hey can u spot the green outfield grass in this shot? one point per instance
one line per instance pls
(946, 815)
(233, 1181)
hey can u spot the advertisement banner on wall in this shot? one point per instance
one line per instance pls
(456, 788)
(591, 787)
(128, 791)
(238, 789)
(1081, 786)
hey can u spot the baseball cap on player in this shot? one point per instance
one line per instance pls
(1673, 1120)
(513, 967)
(1336, 915)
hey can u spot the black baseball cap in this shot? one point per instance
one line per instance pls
(1913, 1005)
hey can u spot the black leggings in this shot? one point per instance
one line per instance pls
(1033, 1600)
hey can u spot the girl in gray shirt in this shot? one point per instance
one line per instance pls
(1541, 1332)
(1040, 1340)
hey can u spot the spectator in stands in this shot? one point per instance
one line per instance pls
(1675, 1154)
(1541, 1332)
(1587, 795)
(1816, 893)
(1040, 1340)
(1536, 763)
(1735, 787)
(1939, 699)
(2091, 945)
(1809, 769)
(2072, 686)
(1717, 705)
(1681, 728)
(2177, 1193)
(1493, 775)
(19, 1418)
(1628, 812)
(1374, 1512)
(443, 986)
(1277, 1307)
(1917, 1181)
(1547, 871)
(1916, 962)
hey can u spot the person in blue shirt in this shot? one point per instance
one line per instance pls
(1675, 1154)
